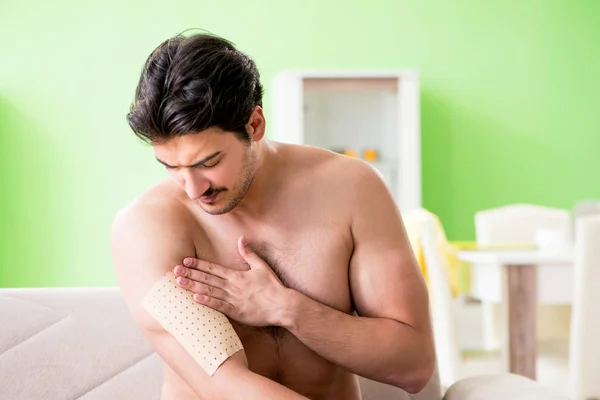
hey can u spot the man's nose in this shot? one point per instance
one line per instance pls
(195, 185)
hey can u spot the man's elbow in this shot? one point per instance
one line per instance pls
(419, 376)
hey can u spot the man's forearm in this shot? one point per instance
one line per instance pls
(254, 386)
(240, 383)
(381, 349)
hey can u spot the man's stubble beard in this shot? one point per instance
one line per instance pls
(246, 182)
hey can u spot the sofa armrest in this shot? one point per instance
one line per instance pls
(500, 387)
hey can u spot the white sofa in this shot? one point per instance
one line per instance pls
(81, 343)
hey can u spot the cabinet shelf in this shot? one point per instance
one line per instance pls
(356, 111)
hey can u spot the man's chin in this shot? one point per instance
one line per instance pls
(214, 209)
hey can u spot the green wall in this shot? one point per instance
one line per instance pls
(510, 109)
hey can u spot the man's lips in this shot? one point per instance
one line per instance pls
(208, 199)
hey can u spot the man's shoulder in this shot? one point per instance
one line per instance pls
(157, 211)
(156, 205)
(348, 181)
(333, 165)
(151, 234)
(343, 172)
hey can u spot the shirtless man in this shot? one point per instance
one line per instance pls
(303, 249)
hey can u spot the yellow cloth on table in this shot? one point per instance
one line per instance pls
(413, 221)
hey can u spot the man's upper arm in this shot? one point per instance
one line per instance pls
(147, 241)
(384, 276)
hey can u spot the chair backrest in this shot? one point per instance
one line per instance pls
(585, 315)
(584, 208)
(442, 311)
(518, 223)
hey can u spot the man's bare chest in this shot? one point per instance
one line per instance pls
(307, 253)
(313, 261)
(317, 266)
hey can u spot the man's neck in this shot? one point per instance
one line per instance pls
(265, 184)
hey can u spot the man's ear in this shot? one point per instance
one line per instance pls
(256, 125)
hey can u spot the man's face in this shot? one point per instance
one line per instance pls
(213, 167)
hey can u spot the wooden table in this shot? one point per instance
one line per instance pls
(521, 268)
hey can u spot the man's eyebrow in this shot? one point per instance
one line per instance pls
(196, 164)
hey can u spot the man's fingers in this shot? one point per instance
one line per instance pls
(180, 270)
(215, 304)
(250, 256)
(201, 288)
(190, 262)
(187, 276)
(206, 266)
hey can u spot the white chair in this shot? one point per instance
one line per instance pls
(588, 207)
(442, 310)
(517, 225)
(449, 315)
(584, 208)
(584, 351)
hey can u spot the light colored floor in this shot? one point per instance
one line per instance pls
(552, 363)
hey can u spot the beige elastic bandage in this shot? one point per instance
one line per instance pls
(205, 333)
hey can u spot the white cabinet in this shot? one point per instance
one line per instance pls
(371, 114)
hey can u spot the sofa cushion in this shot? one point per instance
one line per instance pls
(500, 387)
(81, 343)
(68, 343)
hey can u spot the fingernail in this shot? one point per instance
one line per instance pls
(179, 270)
(183, 281)
(187, 262)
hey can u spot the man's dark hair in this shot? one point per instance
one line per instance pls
(189, 84)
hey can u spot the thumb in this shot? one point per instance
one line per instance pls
(253, 260)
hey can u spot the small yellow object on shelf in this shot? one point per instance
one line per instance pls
(350, 153)
(370, 155)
